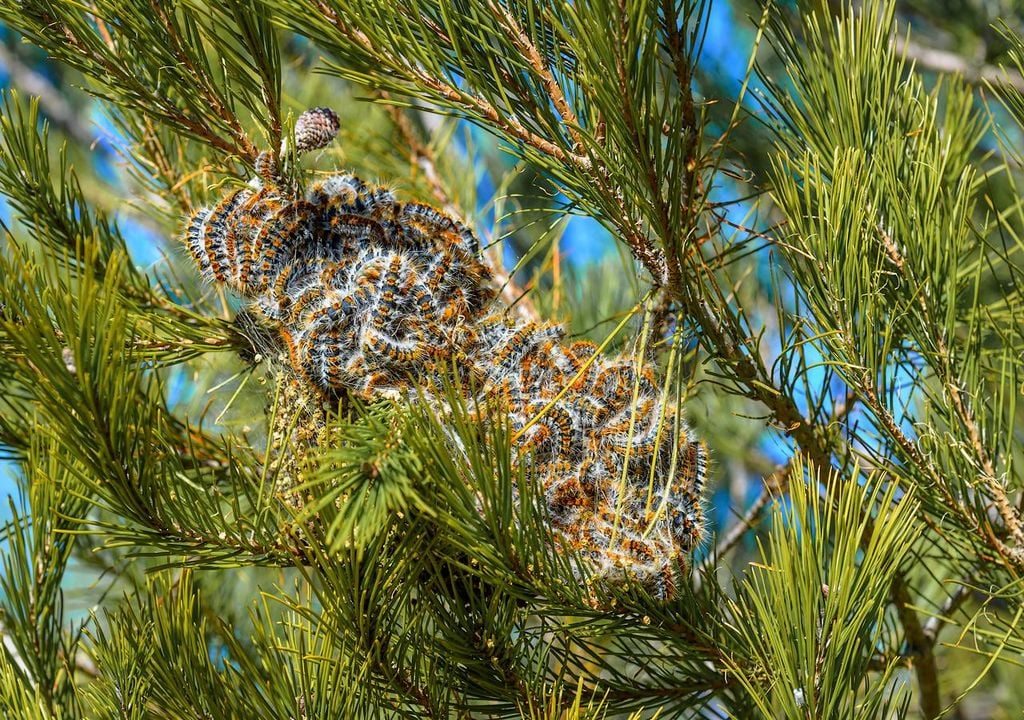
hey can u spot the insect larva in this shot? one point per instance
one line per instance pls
(380, 298)
(215, 232)
(194, 235)
(302, 303)
(525, 341)
(399, 354)
(694, 467)
(557, 429)
(437, 222)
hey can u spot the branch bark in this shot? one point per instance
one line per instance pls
(920, 647)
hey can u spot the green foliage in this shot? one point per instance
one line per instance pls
(176, 79)
(897, 254)
(38, 547)
(818, 600)
(364, 479)
(27, 180)
(859, 304)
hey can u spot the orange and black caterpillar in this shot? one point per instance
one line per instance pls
(375, 297)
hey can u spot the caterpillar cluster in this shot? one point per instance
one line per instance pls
(375, 298)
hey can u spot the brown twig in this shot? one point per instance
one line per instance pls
(684, 79)
(933, 626)
(101, 27)
(775, 484)
(920, 648)
(892, 428)
(85, 664)
(750, 518)
(812, 437)
(524, 45)
(420, 153)
(669, 271)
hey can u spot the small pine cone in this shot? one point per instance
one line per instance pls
(315, 129)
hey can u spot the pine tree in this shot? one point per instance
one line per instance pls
(224, 514)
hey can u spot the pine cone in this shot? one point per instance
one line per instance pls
(315, 129)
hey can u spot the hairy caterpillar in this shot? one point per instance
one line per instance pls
(374, 297)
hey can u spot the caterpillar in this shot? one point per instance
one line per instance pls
(372, 298)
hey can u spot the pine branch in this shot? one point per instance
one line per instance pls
(155, 151)
(426, 578)
(920, 647)
(853, 330)
(399, 76)
(952, 384)
(450, 92)
(190, 100)
(802, 585)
